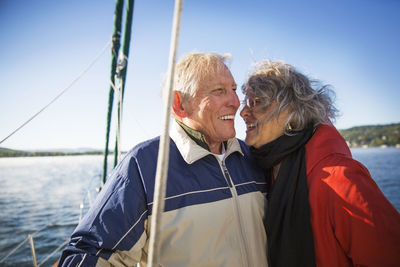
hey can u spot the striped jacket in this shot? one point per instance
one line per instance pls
(214, 210)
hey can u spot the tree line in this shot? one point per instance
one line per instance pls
(4, 152)
(373, 135)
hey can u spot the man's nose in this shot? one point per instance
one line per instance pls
(234, 99)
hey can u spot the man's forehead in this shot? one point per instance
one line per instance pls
(221, 77)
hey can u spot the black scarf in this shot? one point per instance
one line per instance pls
(288, 227)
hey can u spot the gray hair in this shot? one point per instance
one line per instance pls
(194, 68)
(307, 101)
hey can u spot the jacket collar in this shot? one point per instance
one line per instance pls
(190, 151)
(325, 141)
(197, 136)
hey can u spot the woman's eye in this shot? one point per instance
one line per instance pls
(257, 101)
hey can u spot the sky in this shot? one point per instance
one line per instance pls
(353, 45)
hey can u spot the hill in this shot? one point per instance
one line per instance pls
(373, 135)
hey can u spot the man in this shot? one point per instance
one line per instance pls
(215, 199)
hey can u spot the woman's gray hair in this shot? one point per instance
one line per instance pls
(195, 68)
(307, 101)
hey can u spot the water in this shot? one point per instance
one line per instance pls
(46, 192)
(43, 192)
(384, 166)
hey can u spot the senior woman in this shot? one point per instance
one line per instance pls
(323, 209)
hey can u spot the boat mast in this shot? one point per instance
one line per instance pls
(118, 73)
(121, 73)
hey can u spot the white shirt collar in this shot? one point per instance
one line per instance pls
(192, 152)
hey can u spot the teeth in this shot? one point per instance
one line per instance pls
(251, 125)
(227, 117)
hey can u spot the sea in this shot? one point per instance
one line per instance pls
(45, 197)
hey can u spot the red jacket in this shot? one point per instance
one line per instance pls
(353, 223)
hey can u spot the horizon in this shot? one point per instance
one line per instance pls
(352, 46)
(94, 149)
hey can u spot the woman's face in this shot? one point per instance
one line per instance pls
(259, 132)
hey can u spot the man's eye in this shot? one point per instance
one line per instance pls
(219, 91)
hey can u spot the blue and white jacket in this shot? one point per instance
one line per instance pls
(214, 210)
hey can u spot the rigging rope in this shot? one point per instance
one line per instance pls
(122, 64)
(61, 93)
(163, 152)
(54, 252)
(117, 155)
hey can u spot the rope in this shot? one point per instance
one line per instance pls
(12, 251)
(119, 123)
(163, 153)
(113, 86)
(61, 93)
(23, 242)
(54, 251)
(88, 195)
(122, 64)
(143, 129)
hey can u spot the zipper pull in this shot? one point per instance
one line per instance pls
(226, 174)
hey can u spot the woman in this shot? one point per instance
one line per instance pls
(324, 209)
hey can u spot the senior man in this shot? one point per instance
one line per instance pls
(215, 199)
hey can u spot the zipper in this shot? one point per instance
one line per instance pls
(226, 174)
(236, 212)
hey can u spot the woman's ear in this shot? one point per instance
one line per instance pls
(177, 106)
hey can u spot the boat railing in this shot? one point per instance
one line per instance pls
(30, 239)
(31, 236)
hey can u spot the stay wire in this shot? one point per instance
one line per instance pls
(61, 93)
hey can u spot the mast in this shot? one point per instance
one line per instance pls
(119, 65)
(114, 58)
(121, 73)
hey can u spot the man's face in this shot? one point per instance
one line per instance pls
(212, 110)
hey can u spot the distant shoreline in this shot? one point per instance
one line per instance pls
(373, 136)
(356, 137)
(16, 153)
(21, 154)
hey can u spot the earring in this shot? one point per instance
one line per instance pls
(289, 130)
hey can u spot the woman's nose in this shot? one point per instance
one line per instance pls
(245, 112)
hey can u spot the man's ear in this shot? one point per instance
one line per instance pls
(177, 106)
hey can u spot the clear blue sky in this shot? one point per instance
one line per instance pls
(354, 45)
